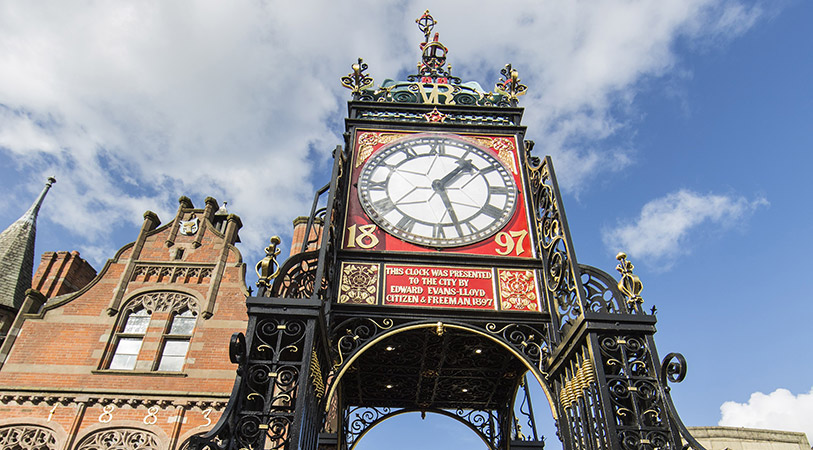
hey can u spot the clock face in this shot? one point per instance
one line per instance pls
(437, 191)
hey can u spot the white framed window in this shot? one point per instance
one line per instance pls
(176, 341)
(159, 315)
(129, 339)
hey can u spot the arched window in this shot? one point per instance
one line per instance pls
(129, 339)
(176, 341)
(119, 439)
(170, 316)
(26, 437)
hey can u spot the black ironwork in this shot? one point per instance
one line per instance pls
(526, 409)
(601, 292)
(673, 369)
(560, 269)
(297, 277)
(318, 372)
(359, 420)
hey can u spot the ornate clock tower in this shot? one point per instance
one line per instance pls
(445, 278)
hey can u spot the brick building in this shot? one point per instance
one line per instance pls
(135, 357)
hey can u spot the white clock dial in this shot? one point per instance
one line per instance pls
(437, 190)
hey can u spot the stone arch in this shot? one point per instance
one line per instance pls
(120, 438)
(26, 436)
(161, 300)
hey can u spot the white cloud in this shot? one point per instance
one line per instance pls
(779, 410)
(660, 232)
(132, 104)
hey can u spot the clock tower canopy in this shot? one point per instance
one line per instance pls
(433, 83)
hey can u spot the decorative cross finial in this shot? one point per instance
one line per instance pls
(267, 268)
(510, 84)
(630, 285)
(426, 23)
(357, 80)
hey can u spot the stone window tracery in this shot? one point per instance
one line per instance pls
(26, 437)
(173, 312)
(119, 439)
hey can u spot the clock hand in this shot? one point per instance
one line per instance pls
(463, 165)
(444, 197)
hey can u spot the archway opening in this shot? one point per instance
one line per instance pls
(448, 371)
(409, 432)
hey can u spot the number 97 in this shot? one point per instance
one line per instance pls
(510, 241)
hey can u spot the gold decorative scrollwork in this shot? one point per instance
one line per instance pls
(357, 80)
(510, 85)
(503, 146)
(267, 268)
(359, 283)
(352, 340)
(367, 142)
(518, 290)
(630, 285)
(316, 375)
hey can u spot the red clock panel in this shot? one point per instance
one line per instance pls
(430, 192)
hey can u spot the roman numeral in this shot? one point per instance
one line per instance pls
(471, 228)
(437, 232)
(406, 223)
(492, 211)
(377, 185)
(383, 206)
(410, 152)
(498, 190)
(438, 148)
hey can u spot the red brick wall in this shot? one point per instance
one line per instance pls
(62, 273)
(56, 372)
(300, 227)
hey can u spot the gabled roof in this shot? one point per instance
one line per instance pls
(17, 254)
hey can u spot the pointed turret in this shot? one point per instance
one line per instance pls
(17, 254)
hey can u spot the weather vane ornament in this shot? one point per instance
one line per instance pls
(267, 268)
(630, 285)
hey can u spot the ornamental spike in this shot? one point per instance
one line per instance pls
(357, 80)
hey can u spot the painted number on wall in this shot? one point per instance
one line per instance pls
(514, 240)
(107, 415)
(365, 239)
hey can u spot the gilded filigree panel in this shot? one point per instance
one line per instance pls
(518, 290)
(359, 283)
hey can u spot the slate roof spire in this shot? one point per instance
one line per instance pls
(17, 254)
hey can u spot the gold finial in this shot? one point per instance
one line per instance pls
(426, 23)
(267, 268)
(630, 285)
(357, 80)
(510, 85)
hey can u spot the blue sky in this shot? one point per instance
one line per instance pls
(680, 131)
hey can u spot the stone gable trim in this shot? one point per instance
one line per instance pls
(169, 273)
(121, 399)
(56, 302)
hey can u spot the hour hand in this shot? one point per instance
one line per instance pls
(463, 165)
